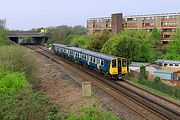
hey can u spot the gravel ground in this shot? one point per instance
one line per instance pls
(63, 90)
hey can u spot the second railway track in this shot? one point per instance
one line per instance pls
(141, 104)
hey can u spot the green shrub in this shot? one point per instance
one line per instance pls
(4, 40)
(55, 114)
(157, 85)
(19, 59)
(24, 105)
(12, 82)
(177, 93)
(92, 114)
(157, 79)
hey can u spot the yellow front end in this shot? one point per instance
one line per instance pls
(118, 67)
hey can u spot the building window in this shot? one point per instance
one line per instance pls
(166, 36)
(134, 18)
(165, 64)
(129, 19)
(147, 24)
(170, 64)
(176, 65)
(168, 23)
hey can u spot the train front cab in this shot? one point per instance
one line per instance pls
(118, 68)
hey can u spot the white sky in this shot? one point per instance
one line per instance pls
(27, 14)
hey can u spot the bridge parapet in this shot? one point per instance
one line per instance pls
(26, 34)
(33, 37)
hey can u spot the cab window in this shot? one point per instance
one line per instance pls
(124, 63)
(114, 63)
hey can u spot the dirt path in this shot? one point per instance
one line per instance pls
(62, 89)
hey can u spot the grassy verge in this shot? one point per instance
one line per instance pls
(19, 96)
(136, 81)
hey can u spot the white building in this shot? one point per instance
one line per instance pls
(168, 63)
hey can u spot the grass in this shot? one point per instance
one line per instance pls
(134, 80)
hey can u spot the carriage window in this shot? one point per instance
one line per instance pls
(124, 63)
(91, 59)
(170, 64)
(102, 62)
(94, 60)
(114, 63)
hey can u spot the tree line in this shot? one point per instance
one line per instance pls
(136, 45)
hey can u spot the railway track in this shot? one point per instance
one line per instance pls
(144, 106)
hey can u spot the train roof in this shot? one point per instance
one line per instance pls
(92, 53)
(61, 45)
(99, 55)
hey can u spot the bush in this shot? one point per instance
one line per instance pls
(55, 114)
(17, 99)
(4, 40)
(12, 82)
(77, 40)
(92, 114)
(157, 79)
(19, 59)
(157, 85)
(24, 105)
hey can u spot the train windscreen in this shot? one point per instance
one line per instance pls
(124, 63)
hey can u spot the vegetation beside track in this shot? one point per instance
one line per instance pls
(19, 95)
(18, 86)
(155, 86)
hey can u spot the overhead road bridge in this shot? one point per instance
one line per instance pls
(28, 37)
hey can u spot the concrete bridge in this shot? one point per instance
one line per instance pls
(28, 37)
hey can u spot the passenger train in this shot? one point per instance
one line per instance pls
(113, 67)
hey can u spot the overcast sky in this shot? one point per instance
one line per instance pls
(27, 14)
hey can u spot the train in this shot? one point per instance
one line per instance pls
(112, 67)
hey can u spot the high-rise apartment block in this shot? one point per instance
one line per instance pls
(166, 23)
(2, 23)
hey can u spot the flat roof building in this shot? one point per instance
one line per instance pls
(166, 23)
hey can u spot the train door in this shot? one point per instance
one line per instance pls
(119, 66)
